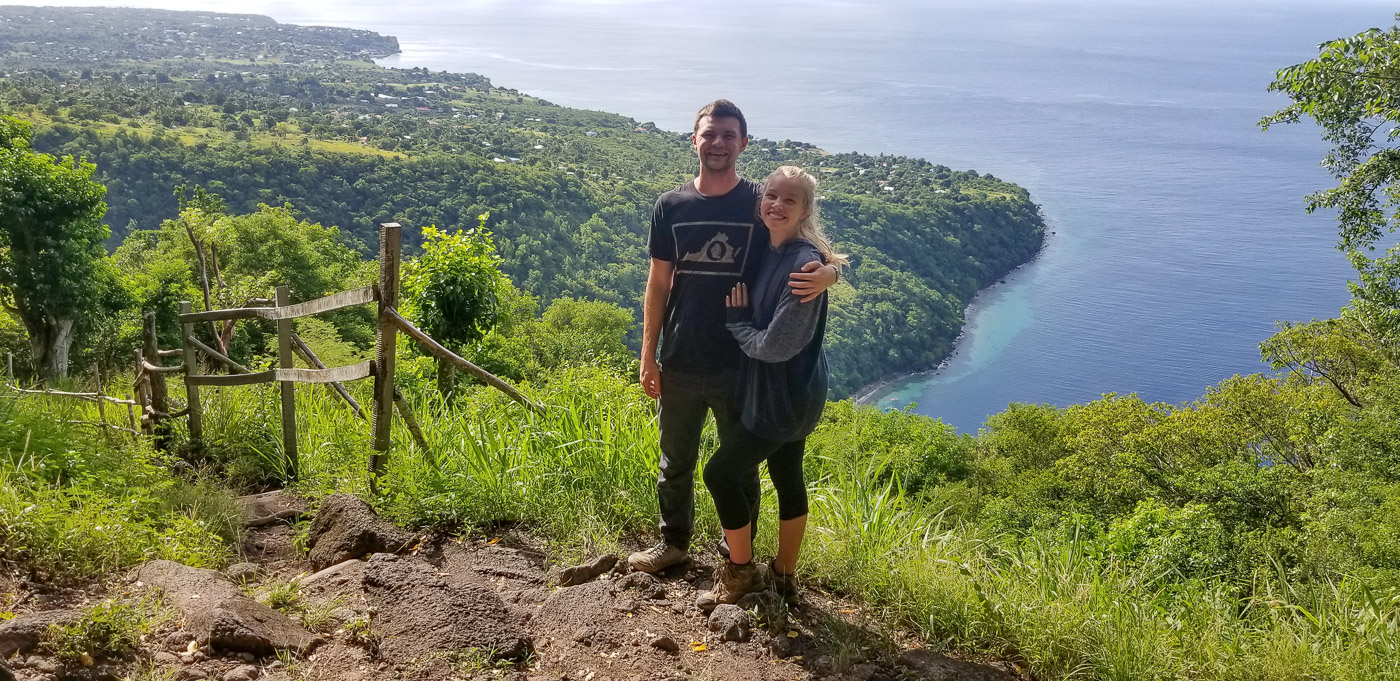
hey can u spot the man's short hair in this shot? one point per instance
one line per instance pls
(722, 108)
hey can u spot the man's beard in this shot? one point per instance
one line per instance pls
(715, 165)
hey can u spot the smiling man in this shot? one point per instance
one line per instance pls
(705, 237)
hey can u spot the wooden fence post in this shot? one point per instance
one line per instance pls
(101, 403)
(191, 389)
(131, 416)
(140, 387)
(390, 237)
(155, 383)
(289, 395)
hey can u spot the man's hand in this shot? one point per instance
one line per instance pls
(812, 280)
(650, 378)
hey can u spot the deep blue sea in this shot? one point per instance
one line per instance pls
(1179, 231)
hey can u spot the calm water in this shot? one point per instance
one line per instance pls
(1180, 236)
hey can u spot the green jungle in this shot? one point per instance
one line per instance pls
(1251, 534)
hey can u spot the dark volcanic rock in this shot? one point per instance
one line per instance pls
(579, 574)
(731, 623)
(418, 613)
(647, 586)
(665, 643)
(926, 665)
(270, 504)
(22, 633)
(243, 573)
(346, 527)
(217, 612)
(244, 672)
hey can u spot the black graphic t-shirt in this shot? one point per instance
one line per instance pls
(714, 242)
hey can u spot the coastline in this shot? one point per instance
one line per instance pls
(865, 396)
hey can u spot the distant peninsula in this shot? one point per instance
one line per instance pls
(261, 112)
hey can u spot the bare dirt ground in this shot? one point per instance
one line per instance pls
(475, 609)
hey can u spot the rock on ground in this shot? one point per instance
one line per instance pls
(5, 673)
(579, 607)
(579, 574)
(243, 672)
(647, 586)
(926, 665)
(731, 622)
(346, 527)
(21, 634)
(665, 643)
(417, 612)
(243, 572)
(258, 506)
(339, 579)
(217, 612)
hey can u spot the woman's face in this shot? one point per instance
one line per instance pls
(784, 205)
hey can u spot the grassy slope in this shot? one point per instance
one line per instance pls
(582, 476)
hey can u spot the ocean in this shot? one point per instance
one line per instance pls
(1177, 235)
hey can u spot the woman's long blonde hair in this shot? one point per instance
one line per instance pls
(810, 227)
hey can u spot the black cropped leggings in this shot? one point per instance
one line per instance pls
(736, 462)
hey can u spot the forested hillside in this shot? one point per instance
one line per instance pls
(1252, 534)
(266, 113)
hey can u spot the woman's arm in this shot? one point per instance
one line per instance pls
(794, 323)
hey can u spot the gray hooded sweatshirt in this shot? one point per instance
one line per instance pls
(783, 376)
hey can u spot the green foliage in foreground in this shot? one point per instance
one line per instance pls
(73, 505)
(1250, 535)
(1253, 534)
(914, 519)
(109, 630)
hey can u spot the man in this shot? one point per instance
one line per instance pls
(705, 237)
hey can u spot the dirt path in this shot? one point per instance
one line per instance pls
(492, 609)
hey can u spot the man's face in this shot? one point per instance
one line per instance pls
(717, 142)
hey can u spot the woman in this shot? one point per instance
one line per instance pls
(782, 384)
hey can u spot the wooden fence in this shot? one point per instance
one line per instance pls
(386, 399)
(150, 396)
(100, 398)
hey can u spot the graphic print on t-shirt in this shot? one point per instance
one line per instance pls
(712, 247)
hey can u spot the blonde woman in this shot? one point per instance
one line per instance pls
(782, 388)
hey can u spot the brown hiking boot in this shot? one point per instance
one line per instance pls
(732, 582)
(657, 558)
(785, 585)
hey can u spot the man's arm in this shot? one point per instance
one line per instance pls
(813, 280)
(791, 329)
(653, 314)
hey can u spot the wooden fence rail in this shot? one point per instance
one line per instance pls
(99, 398)
(335, 301)
(87, 397)
(151, 399)
(481, 374)
(349, 372)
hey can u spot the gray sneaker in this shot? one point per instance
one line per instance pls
(657, 558)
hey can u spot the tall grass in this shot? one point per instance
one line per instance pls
(582, 475)
(75, 504)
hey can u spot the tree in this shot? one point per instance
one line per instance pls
(453, 290)
(51, 236)
(1352, 90)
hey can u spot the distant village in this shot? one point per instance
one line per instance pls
(104, 36)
